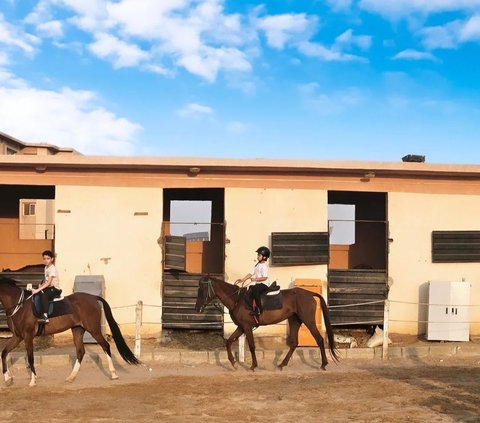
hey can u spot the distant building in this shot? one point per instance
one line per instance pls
(11, 145)
(197, 236)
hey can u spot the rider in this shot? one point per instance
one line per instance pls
(259, 276)
(48, 287)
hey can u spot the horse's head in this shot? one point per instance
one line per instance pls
(205, 294)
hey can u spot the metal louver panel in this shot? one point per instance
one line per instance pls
(299, 248)
(455, 246)
(175, 252)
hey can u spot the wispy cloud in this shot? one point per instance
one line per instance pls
(329, 103)
(396, 9)
(195, 110)
(13, 37)
(452, 34)
(328, 54)
(410, 54)
(349, 40)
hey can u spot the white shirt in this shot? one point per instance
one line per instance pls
(51, 271)
(261, 271)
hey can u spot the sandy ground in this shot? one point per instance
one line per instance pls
(398, 390)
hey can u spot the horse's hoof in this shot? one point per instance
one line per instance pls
(280, 367)
(114, 377)
(323, 368)
(32, 384)
(9, 382)
(69, 379)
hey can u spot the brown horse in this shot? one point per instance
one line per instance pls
(299, 306)
(85, 315)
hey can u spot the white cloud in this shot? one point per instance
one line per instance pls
(452, 34)
(52, 28)
(119, 52)
(283, 29)
(195, 110)
(67, 118)
(410, 54)
(471, 30)
(328, 54)
(196, 35)
(445, 36)
(348, 39)
(340, 5)
(396, 9)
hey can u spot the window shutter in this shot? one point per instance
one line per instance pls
(299, 248)
(455, 246)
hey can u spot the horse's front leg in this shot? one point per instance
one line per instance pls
(233, 337)
(31, 365)
(251, 346)
(11, 344)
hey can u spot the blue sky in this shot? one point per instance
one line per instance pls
(286, 79)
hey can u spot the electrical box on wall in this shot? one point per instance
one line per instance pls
(95, 285)
(448, 311)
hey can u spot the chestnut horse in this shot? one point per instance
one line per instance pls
(85, 314)
(299, 306)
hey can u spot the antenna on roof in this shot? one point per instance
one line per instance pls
(413, 158)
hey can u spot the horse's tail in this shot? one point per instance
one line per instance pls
(328, 327)
(122, 346)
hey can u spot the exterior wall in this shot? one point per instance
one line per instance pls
(16, 252)
(97, 232)
(412, 218)
(252, 215)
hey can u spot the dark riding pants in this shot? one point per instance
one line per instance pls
(47, 295)
(257, 291)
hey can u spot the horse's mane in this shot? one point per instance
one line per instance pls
(8, 281)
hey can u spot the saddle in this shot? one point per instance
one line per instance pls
(59, 306)
(271, 299)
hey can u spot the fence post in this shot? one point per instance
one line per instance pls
(386, 317)
(138, 328)
(241, 348)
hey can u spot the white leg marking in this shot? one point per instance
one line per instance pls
(8, 378)
(33, 381)
(74, 372)
(111, 367)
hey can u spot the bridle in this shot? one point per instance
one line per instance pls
(210, 294)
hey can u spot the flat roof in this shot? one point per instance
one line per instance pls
(229, 165)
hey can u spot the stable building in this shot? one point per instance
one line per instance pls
(363, 232)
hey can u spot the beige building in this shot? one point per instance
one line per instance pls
(365, 231)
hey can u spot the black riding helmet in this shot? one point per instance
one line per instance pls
(264, 251)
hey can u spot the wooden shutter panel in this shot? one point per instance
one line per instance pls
(297, 248)
(175, 252)
(455, 246)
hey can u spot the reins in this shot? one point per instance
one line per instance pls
(19, 304)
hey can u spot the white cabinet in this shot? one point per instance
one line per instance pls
(448, 311)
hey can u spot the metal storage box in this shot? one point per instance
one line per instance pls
(448, 311)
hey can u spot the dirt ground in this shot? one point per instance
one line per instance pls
(399, 390)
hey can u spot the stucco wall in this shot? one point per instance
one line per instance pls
(252, 215)
(97, 232)
(412, 218)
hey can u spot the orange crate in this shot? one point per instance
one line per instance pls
(305, 338)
